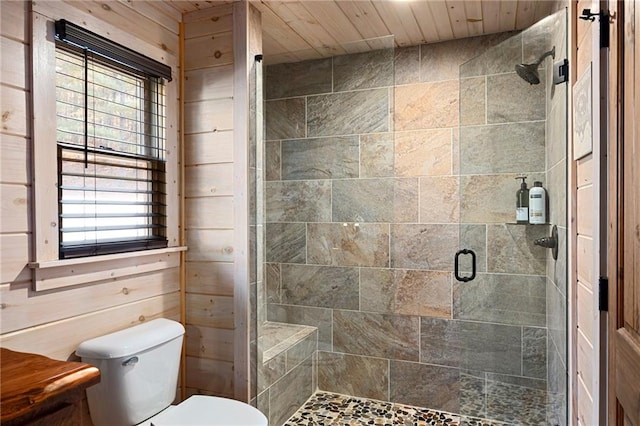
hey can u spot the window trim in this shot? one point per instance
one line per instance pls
(45, 240)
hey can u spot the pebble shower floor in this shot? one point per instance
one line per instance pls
(329, 409)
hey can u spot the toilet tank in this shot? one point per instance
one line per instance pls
(138, 372)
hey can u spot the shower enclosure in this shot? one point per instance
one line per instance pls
(378, 165)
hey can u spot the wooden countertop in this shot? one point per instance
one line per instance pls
(31, 382)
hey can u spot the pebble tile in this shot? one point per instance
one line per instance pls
(330, 409)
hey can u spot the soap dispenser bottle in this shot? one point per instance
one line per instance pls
(537, 204)
(522, 202)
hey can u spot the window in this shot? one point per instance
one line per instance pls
(110, 132)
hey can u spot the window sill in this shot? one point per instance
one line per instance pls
(69, 272)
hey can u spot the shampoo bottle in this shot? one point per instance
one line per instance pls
(522, 202)
(537, 204)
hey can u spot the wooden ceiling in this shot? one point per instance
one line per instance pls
(305, 29)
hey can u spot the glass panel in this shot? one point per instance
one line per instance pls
(330, 200)
(509, 323)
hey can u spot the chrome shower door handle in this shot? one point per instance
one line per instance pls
(456, 270)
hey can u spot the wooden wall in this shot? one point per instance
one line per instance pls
(54, 322)
(209, 209)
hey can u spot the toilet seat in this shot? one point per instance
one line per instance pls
(201, 410)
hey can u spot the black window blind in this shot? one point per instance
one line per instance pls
(111, 155)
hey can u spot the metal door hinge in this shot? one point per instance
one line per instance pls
(603, 294)
(604, 18)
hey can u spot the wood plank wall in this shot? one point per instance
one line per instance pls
(586, 281)
(54, 322)
(209, 228)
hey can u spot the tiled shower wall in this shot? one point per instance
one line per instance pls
(363, 218)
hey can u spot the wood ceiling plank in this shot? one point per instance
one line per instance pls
(473, 10)
(425, 21)
(183, 6)
(400, 20)
(441, 19)
(457, 18)
(543, 9)
(491, 16)
(508, 15)
(278, 29)
(365, 18)
(306, 25)
(333, 20)
(525, 14)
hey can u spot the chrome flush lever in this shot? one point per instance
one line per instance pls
(131, 361)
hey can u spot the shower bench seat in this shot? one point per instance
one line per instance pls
(291, 341)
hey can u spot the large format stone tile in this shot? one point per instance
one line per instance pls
(537, 39)
(503, 55)
(320, 158)
(285, 119)
(472, 396)
(423, 153)
(491, 347)
(299, 78)
(522, 381)
(556, 318)
(502, 148)
(272, 281)
(440, 342)
(407, 292)
(289, 393)
(557, 269)
(375, 200)
(473, 107)
(426, 105)
(507, 299)
(423, 246)
(272, 160)
(425, 385)
(363, 70)
(321, 286)
(442, 61)
(302, 350)
(439, 199)
(510, 249)
(299, 201)
(378, 335)
(285, 242)
(490, 198)
(510, 98)
(305, 315)
(516, 404)
(534, 352)
(348, 113)
(376, 155)
(556, 128)
(353, 375)
(471, 345)
(557, 195)
(348, 244)
(473, 237)
(270, 371)
(407, 65)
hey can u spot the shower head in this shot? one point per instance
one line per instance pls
(529, 72)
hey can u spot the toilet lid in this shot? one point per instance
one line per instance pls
(201, 410)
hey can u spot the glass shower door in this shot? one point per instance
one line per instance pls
(509, 298)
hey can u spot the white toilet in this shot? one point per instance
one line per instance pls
(139, 376)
